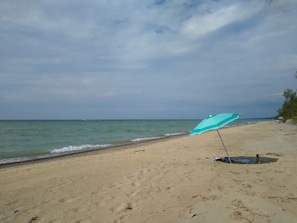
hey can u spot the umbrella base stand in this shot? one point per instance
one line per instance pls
(224, 146)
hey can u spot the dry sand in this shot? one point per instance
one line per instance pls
(165, 181)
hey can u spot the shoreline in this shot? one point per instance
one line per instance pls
(170, 180)
(29, 159)
(108, 149)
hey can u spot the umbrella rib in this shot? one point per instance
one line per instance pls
(224, 146)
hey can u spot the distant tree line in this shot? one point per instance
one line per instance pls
(289, 108)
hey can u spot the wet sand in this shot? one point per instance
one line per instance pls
(172, 180)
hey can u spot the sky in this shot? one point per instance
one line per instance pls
(148, 59)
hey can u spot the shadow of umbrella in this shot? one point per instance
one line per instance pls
(248, 160)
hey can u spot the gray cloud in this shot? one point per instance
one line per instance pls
(145, 59)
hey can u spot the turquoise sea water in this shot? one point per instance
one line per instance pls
(25, 140)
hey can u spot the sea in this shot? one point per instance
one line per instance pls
(26, 140)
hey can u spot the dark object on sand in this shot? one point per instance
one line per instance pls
(257, 161)
(246, 159)
(239, 160)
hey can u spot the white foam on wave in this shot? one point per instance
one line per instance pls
(175, 134)
(76, 148)
(153, 138)
(144, 139)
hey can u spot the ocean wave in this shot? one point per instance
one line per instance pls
(157, 137)
(145, 139)
(175, 134)
(76, 148)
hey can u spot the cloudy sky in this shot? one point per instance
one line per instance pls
(126, 59)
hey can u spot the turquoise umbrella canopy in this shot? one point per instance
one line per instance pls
(214, 122)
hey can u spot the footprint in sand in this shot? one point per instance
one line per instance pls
(240, 212)
(123, 207)
(237, 203)
(247, 186)
(204, 198)
(34, 219)
(68, 199)
(186, 212)
(135, 184)
(220, 188)
(274, 154)
(132, 194)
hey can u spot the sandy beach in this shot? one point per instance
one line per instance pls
(172, 180)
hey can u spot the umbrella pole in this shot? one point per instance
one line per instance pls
(224, 146)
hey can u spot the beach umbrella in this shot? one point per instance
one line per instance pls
(214, 122)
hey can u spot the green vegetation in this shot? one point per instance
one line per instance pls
(289, 108)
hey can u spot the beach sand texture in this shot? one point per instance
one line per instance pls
(171, 180)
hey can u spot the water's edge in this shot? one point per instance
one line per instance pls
(114, 147)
